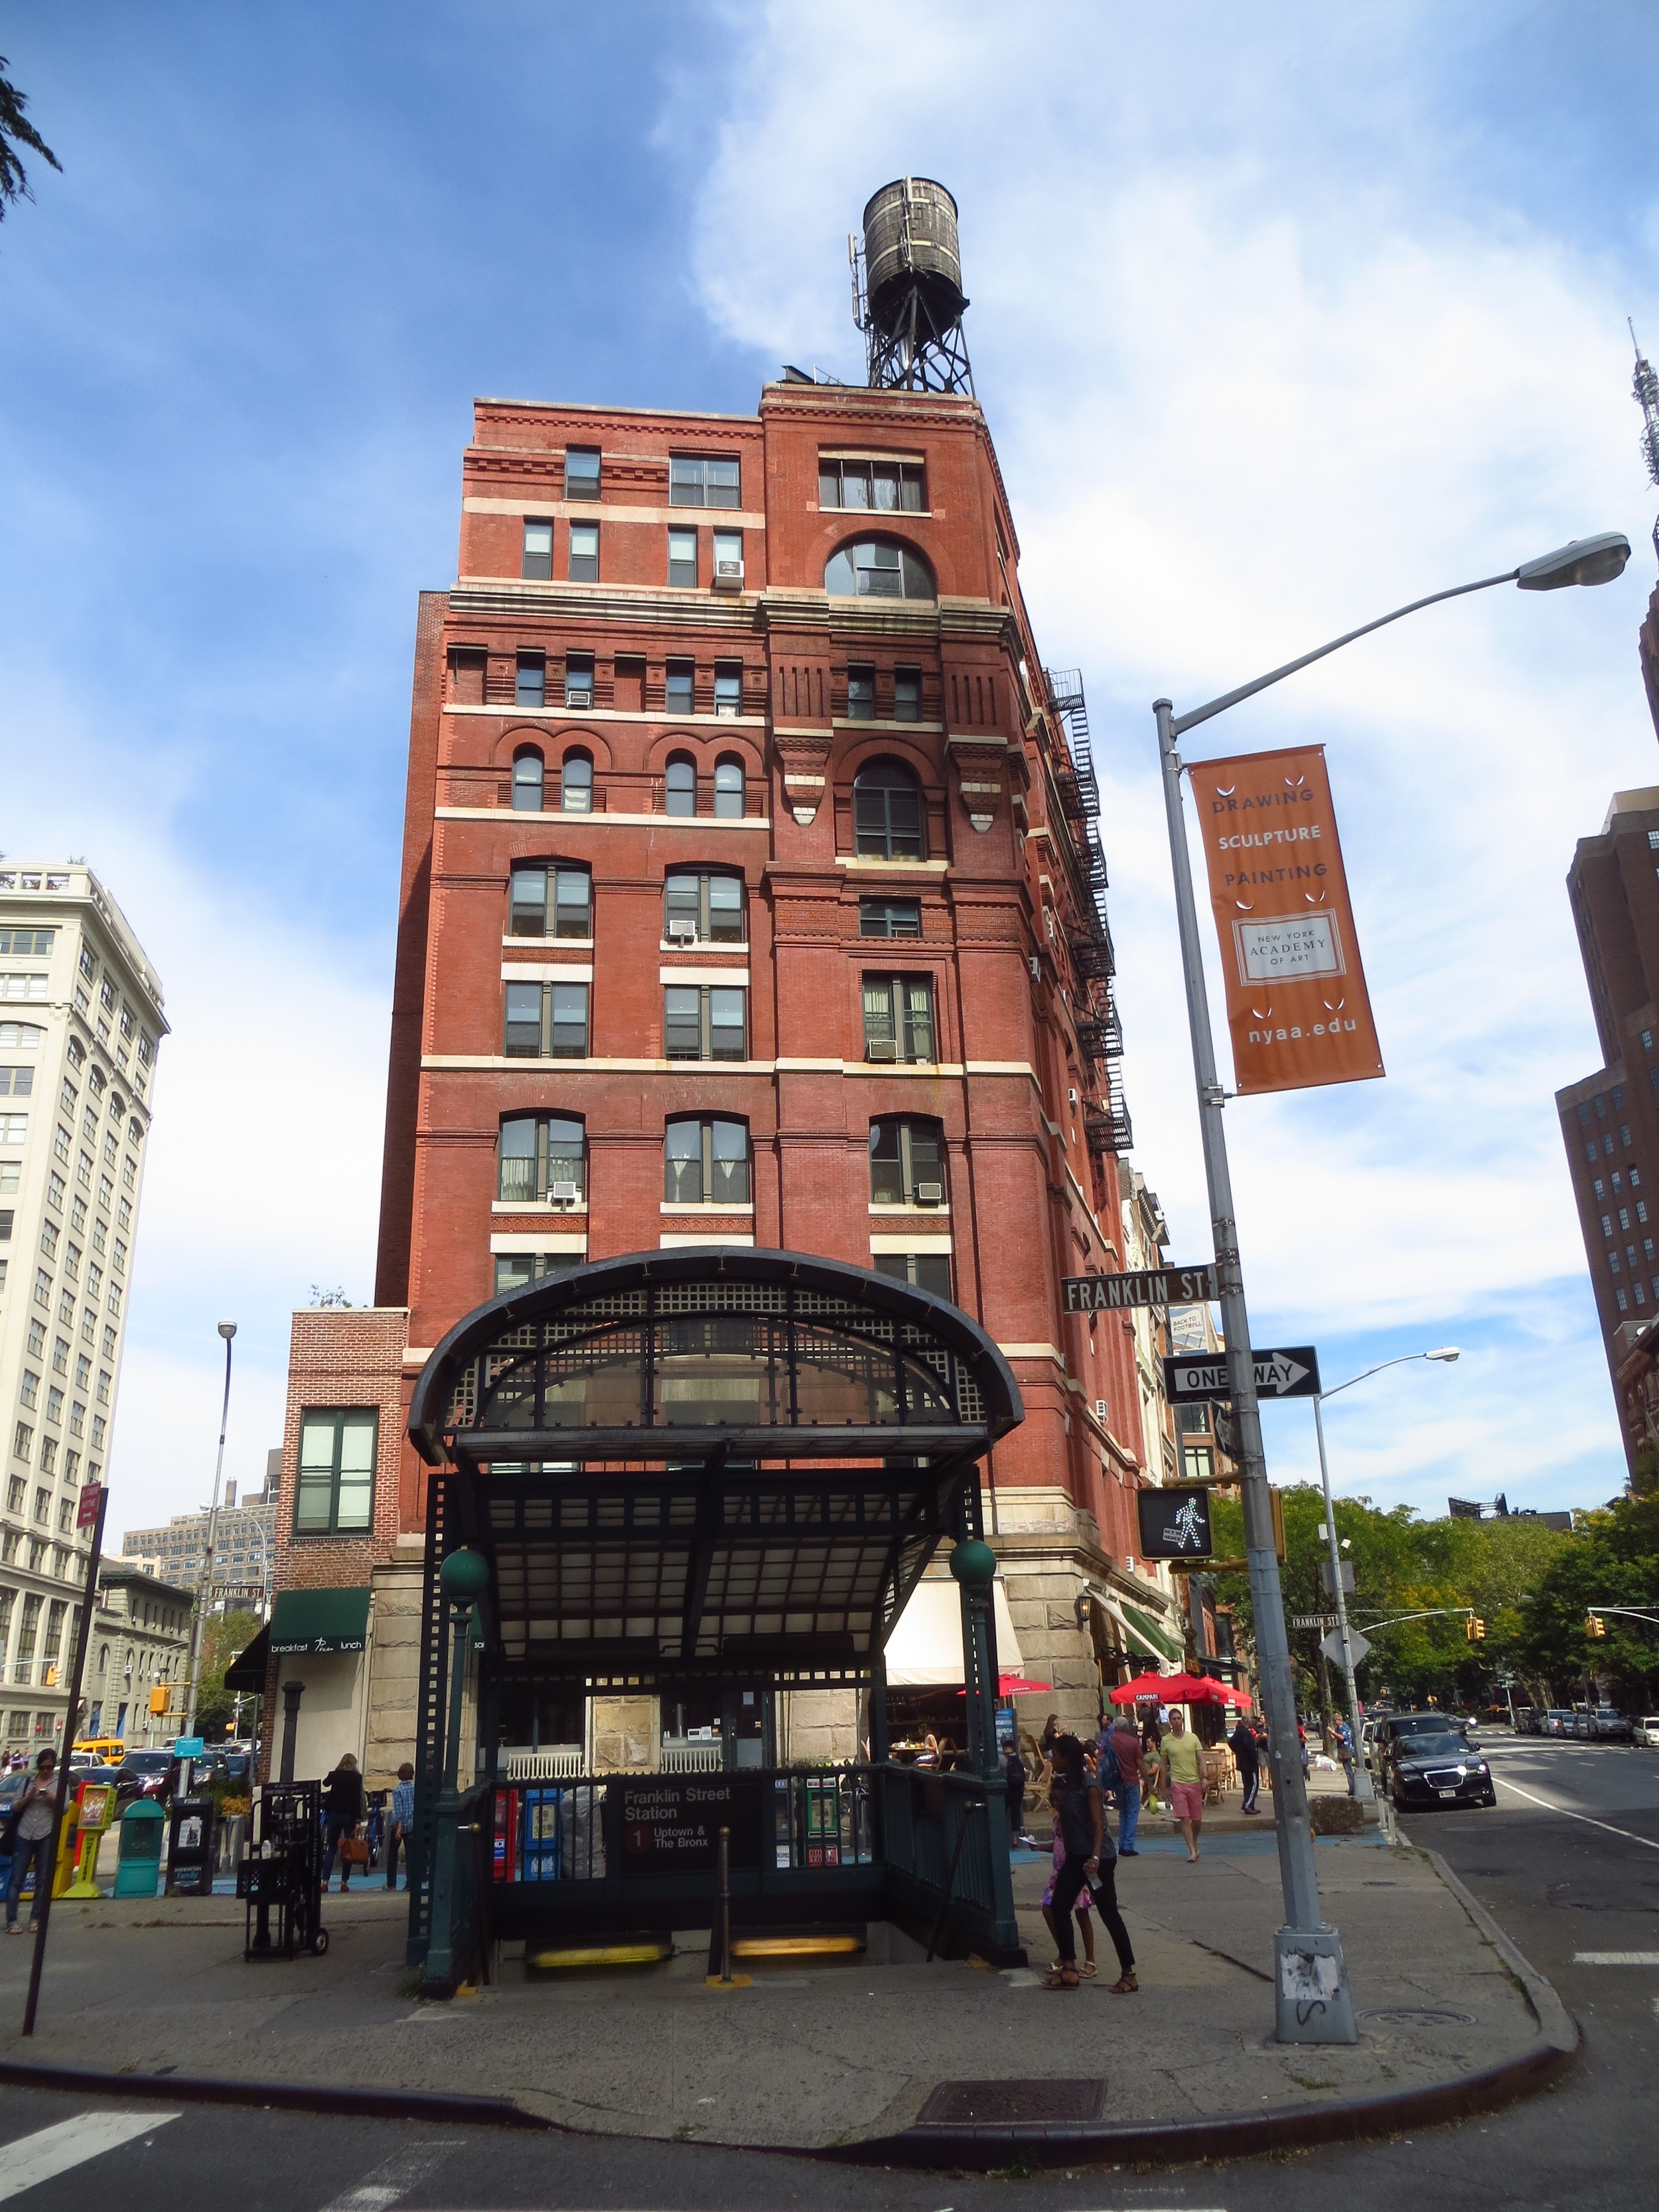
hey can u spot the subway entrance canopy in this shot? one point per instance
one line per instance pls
(698, 1458)
(715, 1469)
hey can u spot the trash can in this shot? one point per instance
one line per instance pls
(138, 1866)
(191, 1847)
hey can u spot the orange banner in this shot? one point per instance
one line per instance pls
(1296, 1003)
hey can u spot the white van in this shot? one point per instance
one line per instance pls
(1647, 1731)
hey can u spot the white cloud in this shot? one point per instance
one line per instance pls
(1253, 383)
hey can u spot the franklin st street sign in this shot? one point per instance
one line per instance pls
(1149, 1286)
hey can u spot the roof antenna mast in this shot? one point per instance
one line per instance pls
(1645, 385)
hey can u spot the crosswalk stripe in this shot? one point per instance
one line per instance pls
(54, 2150)
(394, 2178)
(1615, 1958)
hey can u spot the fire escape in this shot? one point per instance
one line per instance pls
(1094, 964)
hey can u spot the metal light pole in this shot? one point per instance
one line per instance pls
(205, 1598)
(463, 1577)
(1362, 1784)
(1311, 1986)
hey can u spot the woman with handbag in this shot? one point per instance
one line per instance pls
(343, 1808)
(1091, 1860)
(28, 1839)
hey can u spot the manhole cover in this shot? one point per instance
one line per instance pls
(1419, 2016)
(1003, 2104)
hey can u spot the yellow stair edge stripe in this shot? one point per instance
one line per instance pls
(604, 1954)
(794, 1947)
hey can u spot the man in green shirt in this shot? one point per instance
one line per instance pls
(1181, 1772)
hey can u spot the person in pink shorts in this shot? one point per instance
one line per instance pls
(1181, 1772)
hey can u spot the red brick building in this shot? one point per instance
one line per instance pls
(749, 895)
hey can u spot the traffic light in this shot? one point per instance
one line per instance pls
(1474, 1629)
(1594, 1626)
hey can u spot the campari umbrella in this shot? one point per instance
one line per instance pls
(1179, 1690)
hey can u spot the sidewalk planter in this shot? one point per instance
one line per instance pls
(139, 1869)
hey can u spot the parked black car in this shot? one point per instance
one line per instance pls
(1438, 1770)
(146, 1774)
(1399, 1730)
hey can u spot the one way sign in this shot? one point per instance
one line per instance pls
(1292, 1372)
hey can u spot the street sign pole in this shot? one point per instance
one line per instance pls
(1359, 1773)
(1311, 1985)
(90, 1515)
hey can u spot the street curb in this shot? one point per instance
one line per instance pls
(1285, 2127)
(1165, 2143)
(319, 2097)
(1559, 2029)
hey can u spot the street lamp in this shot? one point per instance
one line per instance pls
(1363, 1786)
(204, 1599)
(1311, 1986)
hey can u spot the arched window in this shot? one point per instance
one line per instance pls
(887, 812)
(103, 1658)
(705, 1163)
(875, 568)
(680, 793)
(907, 1163)
(527, 771)
(542, 1158)
(728, 788)
(576, 784)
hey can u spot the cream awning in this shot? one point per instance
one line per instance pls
(925, 1647)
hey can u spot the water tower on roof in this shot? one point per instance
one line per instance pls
(907, 289)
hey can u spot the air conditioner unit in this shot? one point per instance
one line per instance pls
(1100, 1409)
(573, 697)
(881, 1049)
(564, 1194)
(1072, 1096)
(930, 1193)
(1036, 968)
(729, 576)
(683, 931)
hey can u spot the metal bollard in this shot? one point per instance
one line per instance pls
(726, 1906)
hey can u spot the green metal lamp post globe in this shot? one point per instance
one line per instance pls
(974, 1563)
(465, 1576)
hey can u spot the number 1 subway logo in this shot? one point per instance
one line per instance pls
(1296, 1003)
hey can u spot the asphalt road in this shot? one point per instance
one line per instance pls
(1568, 1864)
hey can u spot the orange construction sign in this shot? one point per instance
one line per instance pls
(1296, 1003)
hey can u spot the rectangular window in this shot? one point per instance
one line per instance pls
(677, 687)
(54, 1402)
(17, 1489)
(728, 559)
(77, 1421)
(530, 684)
(43, 1507)
(926, 1271)
(17, 1082)
(1641, 1209)
(22, 987)
(1624, 1218)
(42, 1289)
(8, 1215)
(703, 908)
(693, 482)
(728, 689)
(710, 1022)
(584, 552)
(335, 1492)
(21, 944)
(28, 1390)
(579, 684)
(871, 487)
(581, 473)
(1623, 1137)
(1624, 1303)
(515, 1270)
(683, 557)
(906, 694)
(547, 1021)
(537, 550)
(860, 695)
(572, 903)
(898, 1018)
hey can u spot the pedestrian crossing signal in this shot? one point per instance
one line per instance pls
(1594, 1626)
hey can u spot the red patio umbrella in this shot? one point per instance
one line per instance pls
(1016, 1686)
(1179, 1690)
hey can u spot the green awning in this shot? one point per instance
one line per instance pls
(247, 1671)
(320, 1620)
(1158, 1640)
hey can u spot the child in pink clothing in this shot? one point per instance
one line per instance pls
(1084, 1918)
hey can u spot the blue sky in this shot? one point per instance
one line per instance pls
(1279, 320)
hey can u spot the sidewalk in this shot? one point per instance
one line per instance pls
(845, 2057)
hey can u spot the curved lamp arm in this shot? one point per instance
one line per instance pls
(1448, 1352)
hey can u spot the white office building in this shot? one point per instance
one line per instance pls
(81, 1023)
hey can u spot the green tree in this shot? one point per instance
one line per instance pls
(16, 130)
(223, 1639)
